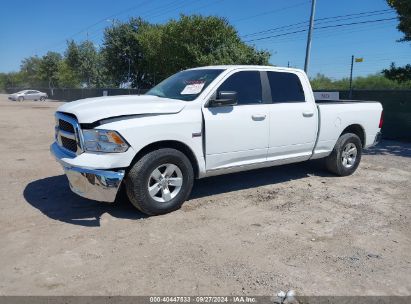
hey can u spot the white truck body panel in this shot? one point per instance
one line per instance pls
(94, 109)
(335, 117)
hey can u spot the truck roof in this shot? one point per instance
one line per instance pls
(235, 67)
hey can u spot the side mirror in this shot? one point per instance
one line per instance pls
(224, 99)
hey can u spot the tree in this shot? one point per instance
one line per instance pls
(399, 74)
(403, 8)
(30, 68)
(3, 82)
(85, 63)
(157, 51)
(67, 78)
(194, 41)
(48, 69)
(72, 55)
(122, 52)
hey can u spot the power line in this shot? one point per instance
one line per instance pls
(271, 12)
(299, 38)
(322, 21)
(160, 14)
(323, 27)
(142, 3)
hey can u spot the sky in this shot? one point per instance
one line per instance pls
(29, 28)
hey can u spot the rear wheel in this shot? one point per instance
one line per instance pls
(346, 155)
(160, 181)
(21, 98)
(42, 98)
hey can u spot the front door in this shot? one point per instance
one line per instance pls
(237, 135)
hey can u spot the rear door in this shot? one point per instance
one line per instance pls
(237, 135)
(293, 119)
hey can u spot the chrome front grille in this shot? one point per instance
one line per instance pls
(68, 134)
(66, 126)
(69, 144)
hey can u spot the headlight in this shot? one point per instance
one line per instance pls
(104, 141)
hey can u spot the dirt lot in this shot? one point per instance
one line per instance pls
(255, 233)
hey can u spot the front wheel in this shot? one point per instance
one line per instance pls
(20, 98)
(42, 98)
(346, 155)
(160, 181)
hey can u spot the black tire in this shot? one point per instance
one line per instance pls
(42, 98)
(21, 98)
(138, 178)
(334, 161)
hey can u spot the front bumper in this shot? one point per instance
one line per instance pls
(99, 185)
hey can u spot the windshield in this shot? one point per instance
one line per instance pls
(185, 85)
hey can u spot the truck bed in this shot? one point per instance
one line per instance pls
(336, 115)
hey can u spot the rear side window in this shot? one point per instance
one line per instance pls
(285, 87)
(247, 84)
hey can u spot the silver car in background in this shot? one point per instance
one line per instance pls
(28, 95)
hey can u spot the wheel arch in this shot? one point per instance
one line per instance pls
(357, 130)
(174, 144)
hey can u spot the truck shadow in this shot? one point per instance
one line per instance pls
(390, 147)
(257, 178)
(53, 197)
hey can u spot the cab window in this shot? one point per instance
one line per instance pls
(285, 87)
(247, 84)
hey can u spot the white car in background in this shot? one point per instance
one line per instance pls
(28, 95)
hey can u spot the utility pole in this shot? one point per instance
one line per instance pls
(310, 30)
(352, 67)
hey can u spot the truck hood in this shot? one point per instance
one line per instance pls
(94, 109)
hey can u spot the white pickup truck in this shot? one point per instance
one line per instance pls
(202, 122)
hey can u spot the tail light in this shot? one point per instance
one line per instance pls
(381, 120)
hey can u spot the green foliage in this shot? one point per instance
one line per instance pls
(157, 51)
(398, 74)
(377, 81)
(48, 68)
(121, 50)
(403, 8)
(3, 81)
(193, 41)
(30, 67)
(67, 77)
(84, 61)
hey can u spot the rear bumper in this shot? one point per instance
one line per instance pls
(99, 185)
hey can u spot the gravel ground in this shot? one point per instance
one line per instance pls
(255, 233)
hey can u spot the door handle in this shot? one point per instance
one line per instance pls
(258, 117)
(308, 114)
